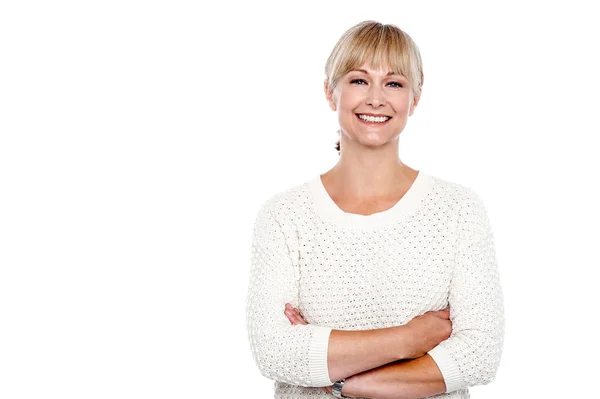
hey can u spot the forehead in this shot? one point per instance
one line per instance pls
(382, 70)
(371, 70)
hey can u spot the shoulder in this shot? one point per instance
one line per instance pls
(453, 189)
(460, 194)
(466, 202)
(470, 210)
(280, 214)
(287, 204)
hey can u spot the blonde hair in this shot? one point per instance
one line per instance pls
(377, 44)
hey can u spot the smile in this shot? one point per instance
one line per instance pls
(369, 119)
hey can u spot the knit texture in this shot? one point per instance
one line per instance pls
(345, 271)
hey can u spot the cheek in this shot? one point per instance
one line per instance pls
(400, 104)
(350, 100)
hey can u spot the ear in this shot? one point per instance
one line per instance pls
(415, 103)
(329, 96)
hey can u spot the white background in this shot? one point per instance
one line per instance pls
(138, 139)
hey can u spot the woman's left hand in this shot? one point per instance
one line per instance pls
(294, 315)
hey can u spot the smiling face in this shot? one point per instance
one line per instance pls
(373, 105)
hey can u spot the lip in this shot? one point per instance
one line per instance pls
(370, 114)
(374, 123)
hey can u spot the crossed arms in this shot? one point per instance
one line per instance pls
(378, 363)
(375, 362)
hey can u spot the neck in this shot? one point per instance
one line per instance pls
(379, 178)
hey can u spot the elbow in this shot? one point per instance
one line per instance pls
(271, 367)
(494, 355)
(493, 364)
(487, 374)
(273, 361)
(264, 359)
(468, 359)
(485, 368)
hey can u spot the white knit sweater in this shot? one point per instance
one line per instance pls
(347, 271)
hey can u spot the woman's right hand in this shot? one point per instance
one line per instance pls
(425, 332)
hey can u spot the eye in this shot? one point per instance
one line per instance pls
(398, 84)
(356, 81)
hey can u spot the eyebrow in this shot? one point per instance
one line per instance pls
(365, 72)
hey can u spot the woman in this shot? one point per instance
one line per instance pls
(387, 275)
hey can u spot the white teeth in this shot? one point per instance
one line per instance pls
(370, 118)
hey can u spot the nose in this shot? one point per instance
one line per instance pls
(376, 96)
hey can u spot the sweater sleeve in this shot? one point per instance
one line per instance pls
(471, 355)
(294, 354)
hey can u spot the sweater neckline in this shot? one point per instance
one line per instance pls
(329, 210)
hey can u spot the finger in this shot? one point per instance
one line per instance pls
(295, 315)
(290, 314)
(290, 318)
(289, 309)
(298, 318)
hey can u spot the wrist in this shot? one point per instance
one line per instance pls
(401, 342)
(354, 387)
